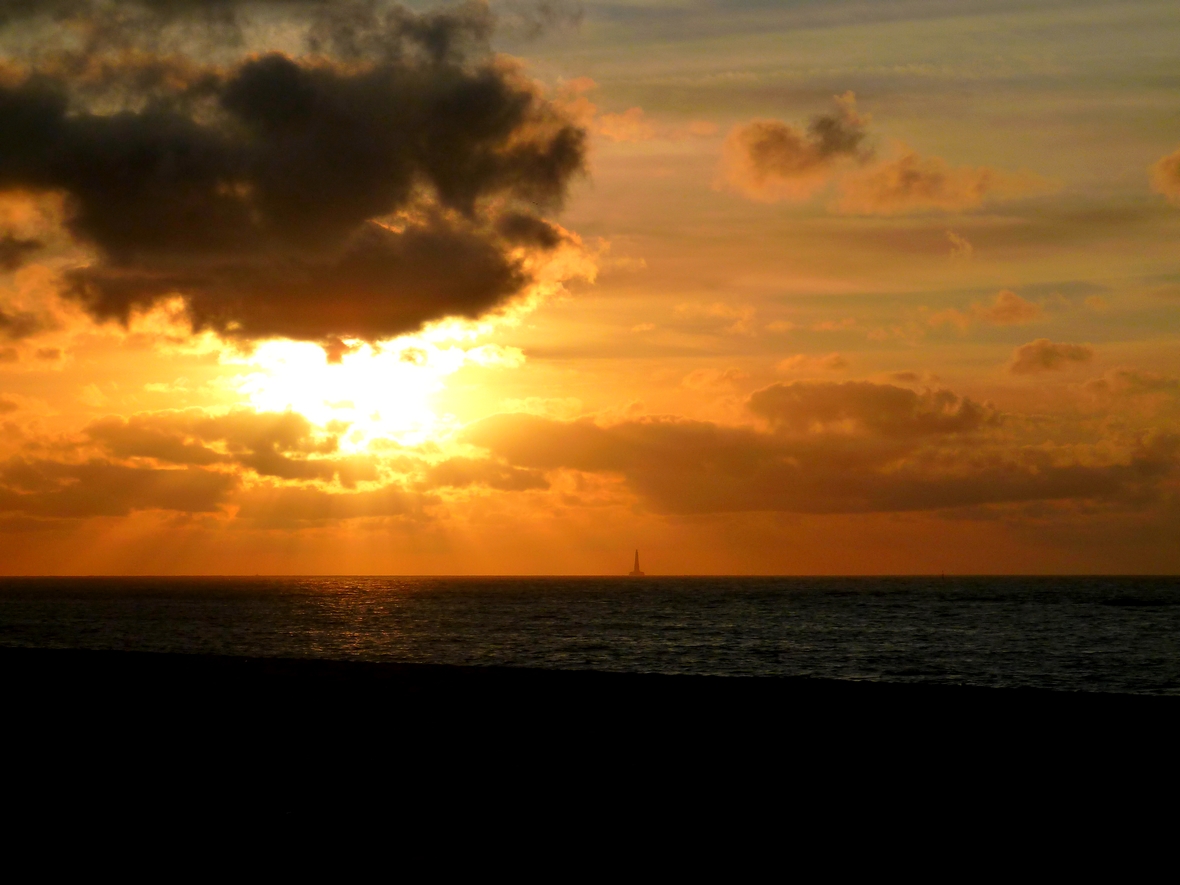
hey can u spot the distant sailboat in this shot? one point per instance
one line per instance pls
(635, 572)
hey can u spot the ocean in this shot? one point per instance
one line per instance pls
(1109, 634)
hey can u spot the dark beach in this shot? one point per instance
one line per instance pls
(93, 731)
(263, 692)
(293, 689)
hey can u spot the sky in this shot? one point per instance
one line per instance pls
(310, 287)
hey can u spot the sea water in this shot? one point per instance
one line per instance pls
(1067, 633)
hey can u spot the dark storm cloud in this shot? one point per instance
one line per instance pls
(385, 179)
(832, 452)
(100, 488)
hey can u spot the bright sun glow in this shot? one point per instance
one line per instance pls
(381, 391)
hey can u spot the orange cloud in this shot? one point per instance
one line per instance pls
(705, 379)
(1008, 309)
(912, 184)
(1043, 355)
(463, 472)
(770, 160)
(631, 125)
(1165, 176)
(634, 125)
(299, 507)
(864, 407)
(269, 443)
(832, 448)
(1133, 382)
(734, 319)
(832, 362)
(960, 246)
(54, 489)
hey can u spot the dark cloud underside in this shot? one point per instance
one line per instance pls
(393, 174)
(836, 448)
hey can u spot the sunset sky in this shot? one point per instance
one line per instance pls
(806, 286)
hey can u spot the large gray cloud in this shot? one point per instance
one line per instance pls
(388, 173)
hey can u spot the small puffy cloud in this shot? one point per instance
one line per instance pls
(1165, 177)
(960, 246)
(1008, 309)
(7, 406)
(912, 184)
(771, 160)
(1042, 355)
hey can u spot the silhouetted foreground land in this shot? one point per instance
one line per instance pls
(293, 726)
(66, 679)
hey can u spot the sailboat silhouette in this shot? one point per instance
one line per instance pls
(635, 572)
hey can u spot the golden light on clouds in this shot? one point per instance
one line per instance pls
(378, 391)
(352, 287)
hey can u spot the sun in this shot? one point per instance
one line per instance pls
(380, 391)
